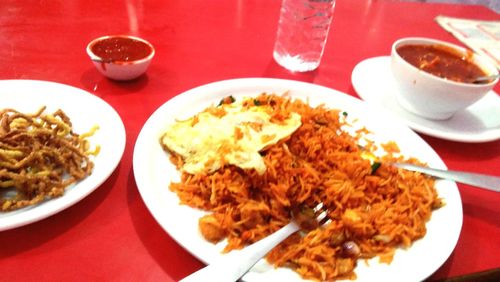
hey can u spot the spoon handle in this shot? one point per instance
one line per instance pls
(486, 78)
(479, 180)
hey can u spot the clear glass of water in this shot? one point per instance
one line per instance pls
(302, 32)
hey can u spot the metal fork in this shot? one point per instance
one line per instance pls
(232, 266)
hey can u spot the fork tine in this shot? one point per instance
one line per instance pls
(311, 218)
(321, 214)
(318, 207)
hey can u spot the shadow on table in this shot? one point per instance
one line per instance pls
(170, 256)
(492, 275)
(30, 236)
(480, 206)
(273, 70)
(96, 83)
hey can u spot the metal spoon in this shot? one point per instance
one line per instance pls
(485, 79)
(475, 179)
(479, 180)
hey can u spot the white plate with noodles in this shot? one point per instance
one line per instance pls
(154, 172)
(27, 97)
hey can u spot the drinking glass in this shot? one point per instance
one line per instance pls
(302, 32)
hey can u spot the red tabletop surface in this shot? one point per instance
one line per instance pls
(110, 235)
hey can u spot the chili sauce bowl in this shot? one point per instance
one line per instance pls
(121, 57)
(431, 93)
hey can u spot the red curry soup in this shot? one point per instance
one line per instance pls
(442, 61)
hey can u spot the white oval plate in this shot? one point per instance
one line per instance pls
(85, 110)
(153, 172)
(373, 81)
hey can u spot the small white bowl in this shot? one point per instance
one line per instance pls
(121, 57)
(433, 97)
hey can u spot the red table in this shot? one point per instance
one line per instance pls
(110, 235)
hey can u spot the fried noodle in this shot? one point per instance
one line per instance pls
(376, 210)
(40, 156)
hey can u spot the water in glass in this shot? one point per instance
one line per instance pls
(302, 32)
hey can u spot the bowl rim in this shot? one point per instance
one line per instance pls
(96, 58)
(485, 64)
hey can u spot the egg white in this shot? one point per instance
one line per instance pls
(208, 141)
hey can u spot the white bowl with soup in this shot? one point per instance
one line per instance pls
(435, 79)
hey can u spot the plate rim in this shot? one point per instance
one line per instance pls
(149, 198)
(29, 215)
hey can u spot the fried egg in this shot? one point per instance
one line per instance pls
(231, 134)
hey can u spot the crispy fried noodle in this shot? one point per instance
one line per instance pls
(40, 156)
(374, 208)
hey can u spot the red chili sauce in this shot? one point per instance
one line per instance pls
(121, 49)
(442, 61)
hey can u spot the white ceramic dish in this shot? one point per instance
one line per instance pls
(373, 81)
(153, 172)
(28, 96)
(121, 70)
(431, 96)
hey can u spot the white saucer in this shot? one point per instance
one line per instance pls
(373, 81)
